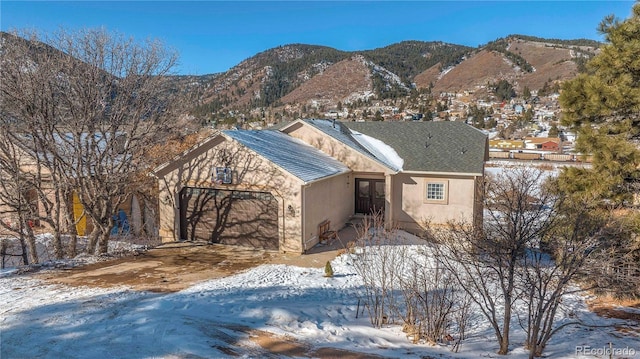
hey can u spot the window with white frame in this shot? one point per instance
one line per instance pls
(436, 191)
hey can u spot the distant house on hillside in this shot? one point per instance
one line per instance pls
(277, 189)
(551, 144)
(506, 144)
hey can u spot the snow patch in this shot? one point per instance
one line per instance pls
(38, 319)
(379, 149)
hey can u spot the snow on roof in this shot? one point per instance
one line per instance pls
(380, 150)
(377, 151)
(294, 156)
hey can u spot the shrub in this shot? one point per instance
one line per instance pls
(328, 270)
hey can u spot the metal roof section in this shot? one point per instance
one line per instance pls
(294, 156)
(359, 142)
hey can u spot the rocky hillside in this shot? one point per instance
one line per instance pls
(302, 80)
(299, 77)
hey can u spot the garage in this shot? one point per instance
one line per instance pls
(243, 218)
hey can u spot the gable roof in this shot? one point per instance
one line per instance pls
(446, 146)
(292, 155)
(354, 140)
(539, 140)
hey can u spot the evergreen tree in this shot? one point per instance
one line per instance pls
(602, 105)
(328, 270)
(504, 90)
(526, 93)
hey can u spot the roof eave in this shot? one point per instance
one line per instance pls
(308, 183)
(464, 174)
(161, 170)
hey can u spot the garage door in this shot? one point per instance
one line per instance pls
(242, 218)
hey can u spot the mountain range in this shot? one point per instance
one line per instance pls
(301, 78)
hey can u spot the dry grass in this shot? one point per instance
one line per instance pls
(335, 84)
(625, 309)
(480, 69)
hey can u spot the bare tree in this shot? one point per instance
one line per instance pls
(403, 281)
(566, 252)
(485, 261)
(16, 209)
(379, 262)
(89, 105)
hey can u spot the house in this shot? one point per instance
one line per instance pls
(273, 189)
(506, 144)
(551, 144)
(31, 194)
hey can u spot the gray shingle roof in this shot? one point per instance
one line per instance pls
(430, 146)
(294, 156)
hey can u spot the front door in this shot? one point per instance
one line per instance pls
(369, 196)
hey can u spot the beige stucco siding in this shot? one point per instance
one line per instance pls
(415, 209)
(251, 172)
(334, 148)
(28, 167)
(329, 199)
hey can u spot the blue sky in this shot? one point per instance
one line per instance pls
(213, 36)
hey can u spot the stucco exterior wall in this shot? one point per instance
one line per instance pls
(27, 167)
(416, 210)
(336, 149)
(330, 199)
(251, 172)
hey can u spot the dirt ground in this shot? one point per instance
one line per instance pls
(608, 307)
(176, 266)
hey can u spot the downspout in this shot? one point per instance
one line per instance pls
(389, 195)
(284, 215)
(302, 219)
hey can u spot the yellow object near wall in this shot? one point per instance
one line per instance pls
(79, 216)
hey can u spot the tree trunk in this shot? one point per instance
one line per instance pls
(93, 240)
(58, 251)
(72, 249)
(504, 342)
(103, 243)
(25, 250)
(58, 248)
(534, 350)
(31, 243)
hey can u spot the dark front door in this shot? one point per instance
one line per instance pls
(369, 196)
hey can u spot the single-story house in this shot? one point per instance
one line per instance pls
(506, 144)
(134, 215)
(552, 144)
(273, 189)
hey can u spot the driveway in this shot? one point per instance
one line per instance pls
(176, 266)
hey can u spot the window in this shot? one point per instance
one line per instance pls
(436, 192)
(222, 175)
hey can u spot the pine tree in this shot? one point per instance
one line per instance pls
(603, 106)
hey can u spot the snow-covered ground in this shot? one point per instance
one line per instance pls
(210, 319)
(40, 320)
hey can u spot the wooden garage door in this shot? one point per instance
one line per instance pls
(242, 218)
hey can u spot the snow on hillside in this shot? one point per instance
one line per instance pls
(40, 320)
